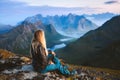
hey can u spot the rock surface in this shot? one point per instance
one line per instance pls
(20, 68)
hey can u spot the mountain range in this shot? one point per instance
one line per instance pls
(100, 18)
(99, 47)
(19, 38)
(92, 49)
(5, 28)
(66, 24)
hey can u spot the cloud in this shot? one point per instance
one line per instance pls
(111, 2)
(15, 13)
(10, 4)
(12, 11)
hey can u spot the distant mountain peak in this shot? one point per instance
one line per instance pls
(100, 18)
(65, 24)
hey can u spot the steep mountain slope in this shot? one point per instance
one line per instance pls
(100, 47)
(68, 24)
(19, 38)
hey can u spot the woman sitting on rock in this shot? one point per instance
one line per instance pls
(41, 58)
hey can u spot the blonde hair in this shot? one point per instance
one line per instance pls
(40, 37)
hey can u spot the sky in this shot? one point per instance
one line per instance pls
(14, 11)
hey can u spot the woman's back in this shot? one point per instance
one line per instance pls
(38, 54)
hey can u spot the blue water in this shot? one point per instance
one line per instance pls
(58, 46)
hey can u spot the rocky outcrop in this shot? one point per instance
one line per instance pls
(19, 67)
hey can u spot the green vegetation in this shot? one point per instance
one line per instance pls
(4, 54)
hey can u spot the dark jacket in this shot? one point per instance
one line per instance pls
(39, 59)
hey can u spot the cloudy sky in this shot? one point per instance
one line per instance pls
(13, 11)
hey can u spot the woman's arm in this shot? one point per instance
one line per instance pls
(51, 56)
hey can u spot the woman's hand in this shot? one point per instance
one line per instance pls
(52, 52)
